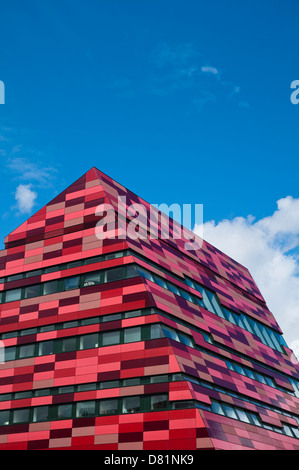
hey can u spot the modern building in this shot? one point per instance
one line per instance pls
(122, 343)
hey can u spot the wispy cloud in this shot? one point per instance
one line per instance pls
(209, 69)
(27, 168)
(269, 249)
(182, 68)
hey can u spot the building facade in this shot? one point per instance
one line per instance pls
(121, 343)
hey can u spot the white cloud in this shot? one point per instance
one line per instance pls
(267, 247)
(25, 198)
(208, 69)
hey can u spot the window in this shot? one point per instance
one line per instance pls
(45, 348)
(70, 324)
(85, 408)
(68, 344)
(40, 413)
(158, 379)
(20, 395)
(111, 337)
(10, 353)
(37, 272)
(115, 274)
(72, 283)
(50, 287)
(21, 416)
(12, 295)
(114, 317)
(89, 341)
(32, 331)
(108, 407)
(32, 291)
(132, 334)
(42, 393)
(131, 382)
(132, 314)
(66, 389)
(4, 418)
(64, 411)
(86, 387)
(156, 331)
(131, 271)
(131, 404)
(158, 402)
(109, 384)
(26, 351)
(92, 279)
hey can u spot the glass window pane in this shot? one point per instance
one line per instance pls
(6, 397)
(45, 348)
(32, 291)
(131, 405)
(14, 277)
(86, 408)
(26, 351)
(40, 413)
(156, 332)
(21, 416)
(160, 282)
(64, 411)
(46, 328)
(131, 271)
(111, 337)
(132, 334)
(37, 272)
(242, 415)
(71, 283)
(159, 379)
(115, 274)
(132, 314)
(229, 411)
(108, 407)
(32, 331)
(42, 393)
(12, 295)
(70, 324)
(51, 269)
(50, 287)
(170, 334)
(4, 418)
(216, 408)
(69, 344)
(131, 382)
(173, 288)
(73, 264)
(109, 384)
(20, 395)
(158, 402)
(89, 341)
(86, 387)
(114, 317)
(10, 353)
(92, 279)
(66, 389)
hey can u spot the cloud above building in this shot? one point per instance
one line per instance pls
(269, 249)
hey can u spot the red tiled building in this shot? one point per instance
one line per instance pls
(135, 344)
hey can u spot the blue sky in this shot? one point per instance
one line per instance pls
(182, 101)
